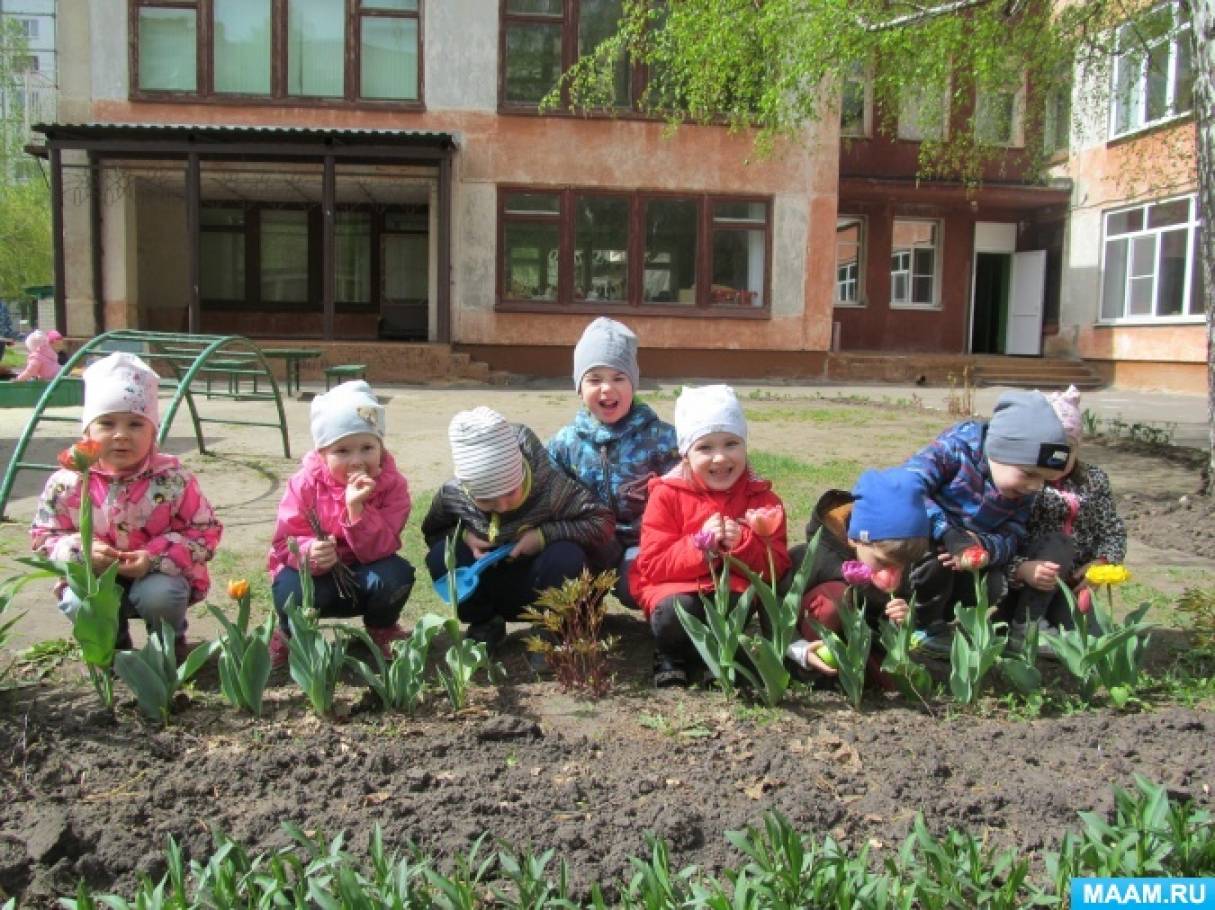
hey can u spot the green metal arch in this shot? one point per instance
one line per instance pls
(198, 351)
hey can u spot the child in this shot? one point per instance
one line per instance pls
(882, 524)
(1074, 523)
(350, 484)
(149, 514)
(980, 480)
(508, 491)
(615, 444)
(697, 511)
(42, 362)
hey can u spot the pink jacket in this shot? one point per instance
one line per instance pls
(159, 508)
(42, 362)
(375, 535)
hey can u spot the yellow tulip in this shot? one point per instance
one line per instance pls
(1107, 575)
(238, 589)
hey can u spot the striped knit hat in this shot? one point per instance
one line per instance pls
(485, 452)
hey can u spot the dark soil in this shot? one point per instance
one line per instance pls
(87, 797)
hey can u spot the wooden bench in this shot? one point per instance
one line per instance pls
(344, 371)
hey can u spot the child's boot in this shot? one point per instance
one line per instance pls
(280, 649)
(384, 636)
(490, 633)
(669, 671)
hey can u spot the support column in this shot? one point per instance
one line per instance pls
(443, 270)
(56, 156)
(193, 297)
(328, 248)
(95, 243)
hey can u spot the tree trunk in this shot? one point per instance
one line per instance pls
(1204, 103)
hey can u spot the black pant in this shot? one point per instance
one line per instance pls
(937, 589)
(383, 587)
(510, 587)
(1030, 604)
(669, 635)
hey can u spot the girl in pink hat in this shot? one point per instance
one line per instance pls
(42, 362)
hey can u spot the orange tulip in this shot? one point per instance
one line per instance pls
(80, 456)
(238, 589)
(766, 521)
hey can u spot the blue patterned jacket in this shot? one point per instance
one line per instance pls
(615, 461)
(959, 491)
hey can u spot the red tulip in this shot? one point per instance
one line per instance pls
(887, 579)
(80, 456)
(766, 521)
(974, 558)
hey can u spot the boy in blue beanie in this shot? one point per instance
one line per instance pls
(881, 524)
(980, 480)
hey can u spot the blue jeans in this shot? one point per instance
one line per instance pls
(155, 598)
(510, 587)
(383, 587)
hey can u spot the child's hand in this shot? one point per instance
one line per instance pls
(897, 610)
(731, 533)
(103, 554)
(949, 561)
(358, 487)
(479, 545)
(322, 555)
(716, 527)
(805, 653)
(134, 563)
(530, 543)
(1039, 573)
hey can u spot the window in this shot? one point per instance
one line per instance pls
(1154, 71)
(998, 116)
(913, 263)
(856, 103)
(222, 253)
(299, 50)
(1057, 119)
(1151, 266)
(542, 38)
(28, 28)
(920, 116)
(849, 260)
(573, 247)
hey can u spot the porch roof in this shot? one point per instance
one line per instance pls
(1015, 196)
(178, 140)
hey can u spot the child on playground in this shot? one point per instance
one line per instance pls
(42, 361)
(346, 504)
(980, 479)
(508, 492)
(1074, 524)
(615, 444)
(882, 525)
(708, 506)
(149, 514)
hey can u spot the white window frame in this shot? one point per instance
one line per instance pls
(1134, 56)
(858, 75)
(29, 28)
(857, 279)
(938, 255)
(1016, 137)
(1192, 266)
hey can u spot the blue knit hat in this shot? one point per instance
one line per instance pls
(888, 505)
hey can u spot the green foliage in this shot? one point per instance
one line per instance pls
(851, 652)
(1199, 605)
(25, 235)
(913, 680)
(153, 675)
(399, 683)
(1112, 658)
(572, 615)
(464, 656)
(976, 647)
(718, 639)
(315, 661)
(244, 657)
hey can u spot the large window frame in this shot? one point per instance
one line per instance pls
(1130, 232)
(849, 282)
(707, 301)
(856, 92)
(354, 14)
(1138, 66)
(905, 264)
(568, 21)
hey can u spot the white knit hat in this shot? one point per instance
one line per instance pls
(606, 343)
(346, 409)
(120, 383)
(485, 452)
(704, 410)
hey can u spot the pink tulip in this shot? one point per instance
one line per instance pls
(887, 579)
(705, 541)
(856, 572)
(766, 521)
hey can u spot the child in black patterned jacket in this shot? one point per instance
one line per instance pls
(1074, 524)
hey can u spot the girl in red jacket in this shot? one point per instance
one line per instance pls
(705, 507)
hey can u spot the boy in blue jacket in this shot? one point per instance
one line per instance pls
(981, 478)
(615, 444)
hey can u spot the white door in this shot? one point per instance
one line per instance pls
(1023, 334)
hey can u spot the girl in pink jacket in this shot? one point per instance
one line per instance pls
(349, 490)
(149, 514)
(42, 362)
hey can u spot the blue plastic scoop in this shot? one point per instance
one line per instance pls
(468, 577)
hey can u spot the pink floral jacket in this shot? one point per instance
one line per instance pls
(375, 535)
(159, 508)
(42, 363)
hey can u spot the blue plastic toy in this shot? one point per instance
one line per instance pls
(468, 577)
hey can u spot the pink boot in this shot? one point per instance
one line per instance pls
(280, 649)
(384, 637)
